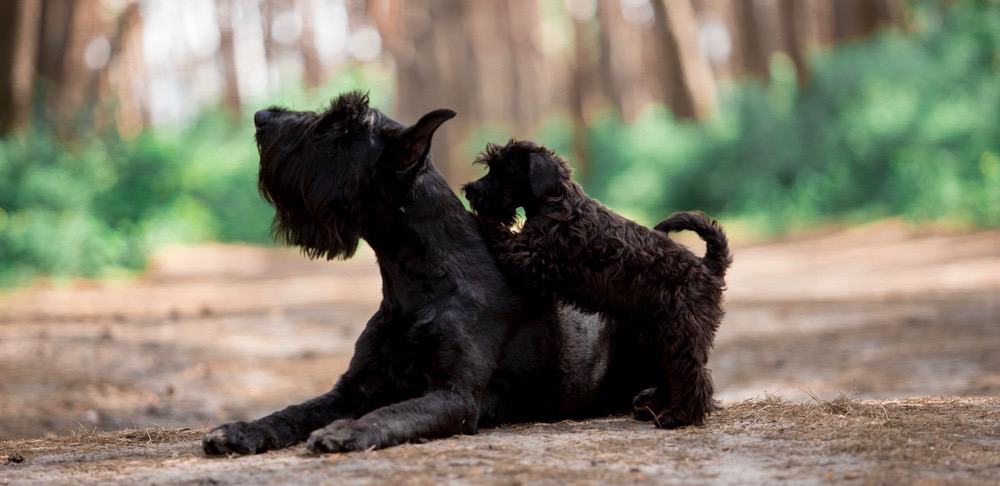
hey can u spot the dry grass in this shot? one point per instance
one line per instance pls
(770, 408)
(95, 439)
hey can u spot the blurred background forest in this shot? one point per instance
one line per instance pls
(125, 124)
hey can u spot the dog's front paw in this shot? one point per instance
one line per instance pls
(344, 435)
(668, 420)
(237, 438)
(643, 405)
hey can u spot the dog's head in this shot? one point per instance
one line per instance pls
(520, 174)
(320, 169)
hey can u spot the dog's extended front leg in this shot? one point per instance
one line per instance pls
(356, 393)
(437, 414)
(282, 428)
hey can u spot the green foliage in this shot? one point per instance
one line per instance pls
(100, 204)
(898, 125)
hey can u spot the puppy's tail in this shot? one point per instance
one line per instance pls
(717, 257)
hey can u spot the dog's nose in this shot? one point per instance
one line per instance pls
(261, 118)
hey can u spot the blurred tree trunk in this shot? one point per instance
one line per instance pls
(609, 25)
(580, 85)
(750, 40)
(267, 14)
(793, 15)
(19, 25)
(855, 19)
(622, 64)
(69, 92)
(432, 49)
(57, 15)
(526, 87)
(231, 98)
(126, 73)
(687, 80)
(312, 66)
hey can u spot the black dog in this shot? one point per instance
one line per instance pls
(451, 347)
(578, 250)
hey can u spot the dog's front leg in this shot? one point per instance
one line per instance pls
(439, 413)
(358, 391)
(282, 428)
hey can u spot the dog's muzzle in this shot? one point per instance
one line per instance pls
(261, 118)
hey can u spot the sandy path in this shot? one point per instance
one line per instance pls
(221, 332)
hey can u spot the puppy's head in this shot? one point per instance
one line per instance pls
(321, 169)
(520, 174)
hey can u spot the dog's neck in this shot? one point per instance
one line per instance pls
(416, 241)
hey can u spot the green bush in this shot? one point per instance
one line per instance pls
(101, 204)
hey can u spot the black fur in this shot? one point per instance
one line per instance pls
(574, 249)
(452, 347)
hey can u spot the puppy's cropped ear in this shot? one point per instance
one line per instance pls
(543, 172)
(415, 141)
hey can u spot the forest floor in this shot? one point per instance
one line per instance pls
(866, 355)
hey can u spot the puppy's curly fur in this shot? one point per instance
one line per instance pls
(578, 251)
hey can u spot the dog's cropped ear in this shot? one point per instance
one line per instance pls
(415, 141)
(543, 172)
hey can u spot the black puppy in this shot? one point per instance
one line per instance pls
(451, 347)
(577, 250)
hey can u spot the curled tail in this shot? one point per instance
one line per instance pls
(717, 257)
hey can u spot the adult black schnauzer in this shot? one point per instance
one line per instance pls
(452, 346)
(579, 251)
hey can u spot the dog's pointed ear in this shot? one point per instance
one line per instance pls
(415, 141)
(543, 172)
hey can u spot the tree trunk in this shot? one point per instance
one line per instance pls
(527, 87)
(578, 89)
(792, 20)
(19, 24)
(855, 19)
(689, 86)
(312, 66)
(231, 98)
(608, 25)
(433, 70)
(750, 41)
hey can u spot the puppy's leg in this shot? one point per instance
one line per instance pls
(684, 395)
(436, 414)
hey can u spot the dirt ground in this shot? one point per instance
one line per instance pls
(868, 355)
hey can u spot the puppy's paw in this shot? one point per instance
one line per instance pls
(344, 435)
(643, 405)
(667, 420)
(237, 438)
(670, 420)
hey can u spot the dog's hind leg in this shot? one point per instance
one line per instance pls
(437, 414)
(684, 394)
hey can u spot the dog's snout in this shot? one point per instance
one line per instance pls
(261, 118)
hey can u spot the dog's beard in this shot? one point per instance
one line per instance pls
(335, 237)
(320, 226)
